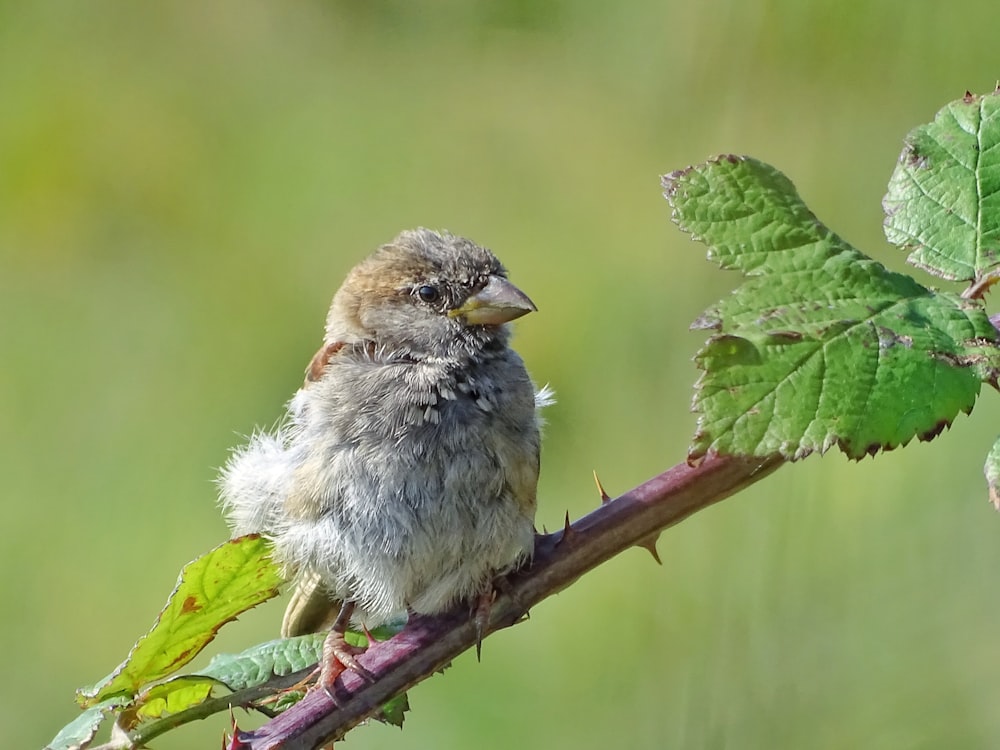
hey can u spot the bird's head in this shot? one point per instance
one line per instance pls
(427, 294)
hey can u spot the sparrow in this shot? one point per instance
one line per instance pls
(403, 477)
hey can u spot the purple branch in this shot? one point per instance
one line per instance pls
(428, 643)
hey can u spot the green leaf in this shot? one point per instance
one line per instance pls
(258, 664)
(244, 670)
(821, 345)
(247, 669)
(286, 699)
(282, 656)
(943, 202)
(382, 632)
(80, 732)
(170, 697)
(211, 591)
(287, 655)
(393, 711)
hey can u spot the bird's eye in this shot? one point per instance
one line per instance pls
(428, 293)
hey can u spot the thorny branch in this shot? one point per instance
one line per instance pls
(428, 644)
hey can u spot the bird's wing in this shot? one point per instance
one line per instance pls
(317, 365)
(522, 477)
(310, 610)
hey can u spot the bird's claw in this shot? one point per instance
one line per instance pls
(339, 655)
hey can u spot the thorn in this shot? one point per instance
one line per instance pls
(368, 634)
(649, 544)
(600, 488)
(567, 530)
(234, 742)
(482, 616)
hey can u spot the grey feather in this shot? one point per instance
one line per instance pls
(404, 476)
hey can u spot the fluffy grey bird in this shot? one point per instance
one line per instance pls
(404, 476)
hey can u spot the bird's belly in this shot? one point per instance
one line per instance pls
(403, 530)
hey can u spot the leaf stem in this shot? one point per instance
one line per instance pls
(242, 698)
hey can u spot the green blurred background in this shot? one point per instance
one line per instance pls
(182, 186)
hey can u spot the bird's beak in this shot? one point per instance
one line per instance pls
(497, 302)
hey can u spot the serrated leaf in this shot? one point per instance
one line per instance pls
(943, 202)
(170, 697)
(394, 711)
(211, 591)
(287, 699)
(80, 732)
(821, 345)
(258, 664)
(247, 669)
(282, 656)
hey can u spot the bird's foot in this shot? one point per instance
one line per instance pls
(484, 607)
(339, 655)
(481, 613)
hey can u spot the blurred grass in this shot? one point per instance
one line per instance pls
(183, 186)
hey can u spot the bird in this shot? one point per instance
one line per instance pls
(403, 477)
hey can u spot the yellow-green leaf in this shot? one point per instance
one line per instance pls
(172, 697)
(211, 591)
